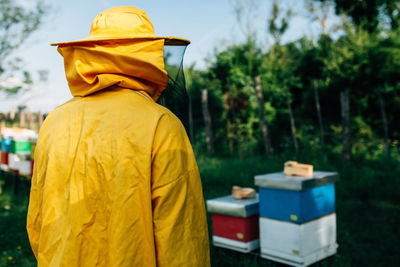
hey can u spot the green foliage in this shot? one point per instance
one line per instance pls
(370, 13)
(278, 23)
(17, 23)
(230, 77)
(362, 62)
(295, 75)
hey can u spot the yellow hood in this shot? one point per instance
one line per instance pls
(137, 64)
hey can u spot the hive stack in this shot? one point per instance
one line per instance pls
(297, 217)
(5, 150)
(235, 223)
(16, 150)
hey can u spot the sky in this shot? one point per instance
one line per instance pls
(209, 24)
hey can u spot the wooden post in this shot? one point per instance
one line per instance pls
(292, 125)
(234, 122)
(346, 133)
(261, 114)
(30, 119)
(384, 124)
(229, 126)
(22, 119)
(191, 131)
(12, 115)
(320, 122)
(207, 121)
(40, 119)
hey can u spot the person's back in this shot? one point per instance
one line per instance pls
(115, 180)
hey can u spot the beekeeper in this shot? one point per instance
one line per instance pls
(115, 181)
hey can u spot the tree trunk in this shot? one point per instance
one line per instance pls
(292, 126)
(191, 132)
(31, 120)
(346, 133)
(384, 124)
(261, 112)
(40, 119)
(207, 121)
(233, 113)
(22, 119)
(320, 122)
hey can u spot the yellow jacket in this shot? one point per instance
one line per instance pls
(115, 180)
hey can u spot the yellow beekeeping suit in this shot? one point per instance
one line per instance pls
(115, 181)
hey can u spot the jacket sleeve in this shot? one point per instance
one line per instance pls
(179, 219)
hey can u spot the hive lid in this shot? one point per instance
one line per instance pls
(234, 207)
(278, 180)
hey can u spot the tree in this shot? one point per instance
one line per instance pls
(279, 77)
(369, 13)
(278, 23)
(314, 60)
(314, 77)
(207, 121)
(189, 76)
(382, 74)
(245, 12)
(277, 26)
(261, 110)
(16, 24)
(204, 133)
(319, 12)
(347, 65)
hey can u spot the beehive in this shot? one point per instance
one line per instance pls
(5, 145)
(297, 217)
(235, 223)
(20, 163)
(295, 199)
(298, 244)
(20, 146)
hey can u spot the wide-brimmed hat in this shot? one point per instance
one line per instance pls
(122, 24)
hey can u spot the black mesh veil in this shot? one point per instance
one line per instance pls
(175, 97)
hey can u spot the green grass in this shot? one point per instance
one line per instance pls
(367, 204)
(14, 245)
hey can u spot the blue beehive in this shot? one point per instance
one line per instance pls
(5, 144)
(296, 199)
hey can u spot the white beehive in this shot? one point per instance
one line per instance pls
(298, 244)
(20, 163)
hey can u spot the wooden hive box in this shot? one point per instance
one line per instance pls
(296, 199)
(20, 146)
(20, 163)
(4, 161)
(235, 223)
(5, 144)
(298, 244)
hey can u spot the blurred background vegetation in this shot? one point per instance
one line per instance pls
(336, 95)
(330, 101)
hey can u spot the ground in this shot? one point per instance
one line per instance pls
(367, 205)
